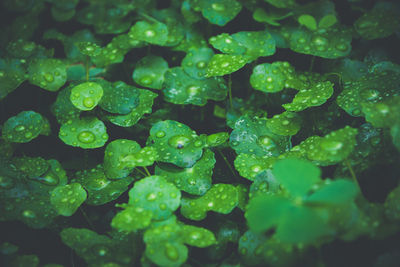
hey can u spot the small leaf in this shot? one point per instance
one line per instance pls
(308, 21)
(338, 192)
(327, 21)
(67, 198)
(296, 176)
(24, 127)
(87, 132)
(149, 71)
(157, 195)
(86, 96)
(266, 211)
(221, 65)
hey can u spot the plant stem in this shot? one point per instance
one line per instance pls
(312, 64)
(87, 68)
(141, 172)
(230, 90)
(353, 175)
(87, 218)
(147, 171)
(227, 162)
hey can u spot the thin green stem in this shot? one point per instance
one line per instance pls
(227, 162)
(141, 172)
(312, 64)
(148, 17)
(353, 175)
(87, 218)
(87, 68)
(147, 171)
(230, 90)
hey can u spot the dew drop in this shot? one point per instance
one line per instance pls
(86, 137)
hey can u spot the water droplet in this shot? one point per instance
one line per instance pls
(150, 33)
(151, 197)
(192, 89)
(198, 143)
(171, 252)
(86, 137)
(218, 7)
(330, 145)
(49, 178)
(266, 142)
(146, 80)
(19, 128)
(28, 214)
(160, 134)
(201, 64)
(48, 77)
(179, 141)
(88, 102)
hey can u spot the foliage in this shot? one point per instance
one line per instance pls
(199, 133)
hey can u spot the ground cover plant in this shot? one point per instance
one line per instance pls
(199, 133)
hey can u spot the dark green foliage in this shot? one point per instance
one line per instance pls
(199, 133)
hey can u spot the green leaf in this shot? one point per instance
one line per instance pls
(132, 219)
(66, 199)
(149, 71)
(24, 127)
(227, 44)
(338, 192)
(308, 21)
(379, 84)
(286, 123)
(221, 198)
(87, 132)
(99, 250)
(251, 136)
(150, 32)
(89, 49)
(317, 94)
(197, 236)
(249, 165)
(392, 203)
(331, 43)
(62, 108)
(47, 73)
(220, 12)
(86, 96)
(11, 76)
(122, 156)
(180, 88)
(195, 180)
(296, 176)
(217, 139)
(257, 43)
(118, 97)
(282, 3)
(196, 61)
(266, 211)
(308, 226)
(332, 148)
(327, 21)
(32, 167)
(379, 22)
(100, 189)
(157, 195)
(146, 99)
(221, 65)
(117, 158)
(272, 78)
(176, 143)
